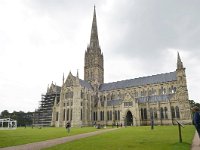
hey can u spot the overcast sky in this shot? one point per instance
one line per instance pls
(42, 39)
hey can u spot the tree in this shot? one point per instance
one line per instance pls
(21, 117)
(193, 103)
(5, 114)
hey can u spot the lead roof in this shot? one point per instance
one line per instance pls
(159, 78)
(85, 84)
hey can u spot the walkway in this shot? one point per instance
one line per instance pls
(53, 142)
(195, 142)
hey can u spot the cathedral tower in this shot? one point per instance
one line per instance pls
(181, 77)
(93, 69)
(182, 92)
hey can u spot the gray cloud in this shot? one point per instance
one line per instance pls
(152, 26)
(145, 30)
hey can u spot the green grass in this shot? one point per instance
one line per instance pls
(137, 138)
(29, 135)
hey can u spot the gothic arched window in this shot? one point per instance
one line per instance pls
(101, 115)
(155, 113)
(112, 96)
(110, 115)
(161, 113)
(141, 93)
(166, 116)
(173, 112)
(145, 113)
(144, 93)
(71, 114)
(142, 114)
(177, 112)
(64, 115)
(154, 92)
(81, 114)
(56, 116)
(101, 98)
(108, 97)
(164, 91)
(118, 115)
(115, 115)
(174, 89)
(94, 116)
(169, 91)
(67, 114)
(82, 94)
(151, 113)
(136, 94)
(160, 91)
(149, 92)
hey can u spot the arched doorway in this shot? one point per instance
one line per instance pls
(129, 119)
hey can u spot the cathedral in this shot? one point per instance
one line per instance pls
(161, 98)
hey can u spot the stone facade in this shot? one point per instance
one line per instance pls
(161, 98)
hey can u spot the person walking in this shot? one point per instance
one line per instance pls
(196, 118)
(68, 125)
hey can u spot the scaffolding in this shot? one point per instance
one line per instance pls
(43, 115)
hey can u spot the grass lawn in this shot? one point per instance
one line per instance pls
(137, 138)
(29, 135)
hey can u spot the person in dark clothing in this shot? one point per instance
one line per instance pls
(196, 118)
(113, 124)
(68, 125)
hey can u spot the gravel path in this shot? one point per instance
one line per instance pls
(195, 142)
(53, 142)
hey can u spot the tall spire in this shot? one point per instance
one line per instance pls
(94, 41)
(77, 74)
(48, 88)
(93, 68)
(179, 62)
(63, 78)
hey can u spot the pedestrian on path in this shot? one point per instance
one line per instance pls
(196, 118)
(68, 125)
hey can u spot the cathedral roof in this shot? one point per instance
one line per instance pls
(159, 78)
(85, 84)
(155, 98)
